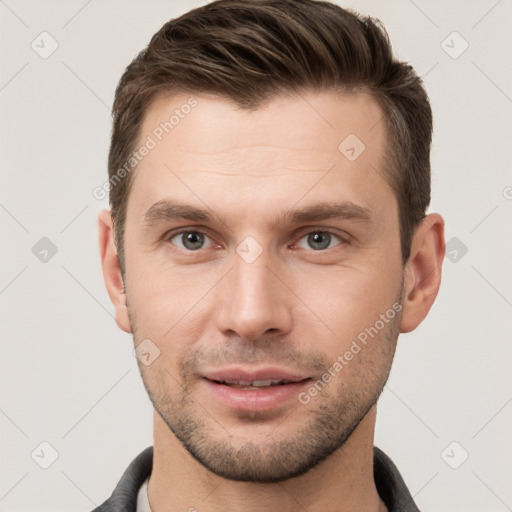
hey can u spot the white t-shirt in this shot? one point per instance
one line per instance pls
(142, 497)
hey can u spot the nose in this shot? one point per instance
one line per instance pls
(253, 300)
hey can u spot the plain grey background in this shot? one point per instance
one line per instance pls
(68, 376)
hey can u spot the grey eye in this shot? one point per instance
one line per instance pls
(189, 240)
(319, 240)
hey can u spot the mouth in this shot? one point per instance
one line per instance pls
(260, 390)
(255, 384)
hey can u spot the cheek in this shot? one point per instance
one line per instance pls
(166, 300)
(345, 302)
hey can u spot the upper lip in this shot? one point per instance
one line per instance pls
(248, 375)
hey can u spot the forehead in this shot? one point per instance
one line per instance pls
(208, 147)
(300, 121)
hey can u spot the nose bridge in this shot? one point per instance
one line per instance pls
(252, 299)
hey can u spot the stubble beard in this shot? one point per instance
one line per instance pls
(330, 419)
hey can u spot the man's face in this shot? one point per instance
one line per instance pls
(263, 290)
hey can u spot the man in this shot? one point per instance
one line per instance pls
(268, 240)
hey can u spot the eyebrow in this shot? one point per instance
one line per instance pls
(167, 210)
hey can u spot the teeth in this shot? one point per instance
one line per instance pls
(263, 383)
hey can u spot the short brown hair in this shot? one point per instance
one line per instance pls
(251, 50)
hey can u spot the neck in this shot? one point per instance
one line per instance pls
(343, 482)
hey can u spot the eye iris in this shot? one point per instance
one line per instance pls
(192, 240)
(321, 238)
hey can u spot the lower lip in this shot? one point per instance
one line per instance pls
(255, 399)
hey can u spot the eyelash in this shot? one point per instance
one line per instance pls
(342, 240)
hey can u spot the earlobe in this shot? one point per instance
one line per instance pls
(423, 271)
(111, 269)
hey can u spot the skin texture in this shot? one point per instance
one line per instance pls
(298, 306)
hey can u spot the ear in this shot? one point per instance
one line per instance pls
(112, 270)
(423, 271)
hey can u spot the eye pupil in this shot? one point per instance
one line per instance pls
(192, 240)
(321, 238)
